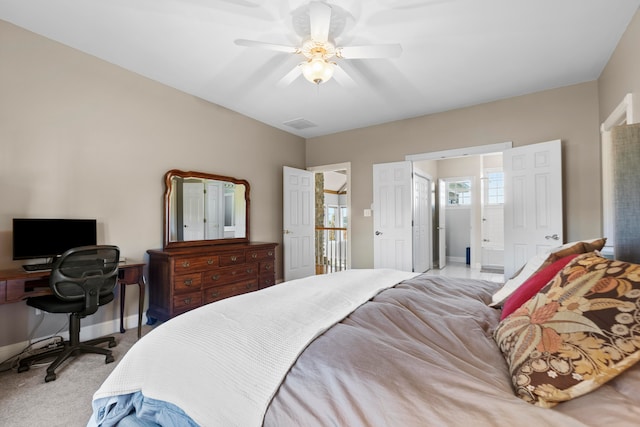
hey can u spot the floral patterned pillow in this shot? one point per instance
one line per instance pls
(580, 331)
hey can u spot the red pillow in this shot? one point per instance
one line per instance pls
(533, 285)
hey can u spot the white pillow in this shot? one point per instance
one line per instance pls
(514, 283)
(527, 271)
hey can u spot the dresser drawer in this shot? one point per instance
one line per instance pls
(260, 254)
(222, 276)
(187, 301)
(267, 267)
(225, 291)
(232, 258)
(267, 280)
(187, 265)
(187, 282)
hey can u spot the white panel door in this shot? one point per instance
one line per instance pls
(533, 202)
(392, 215)
(442, 224)
(421, 223)
(214, 210)
(298, 223)
(193, 211)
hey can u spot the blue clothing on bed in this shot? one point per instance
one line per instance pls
(135, 409)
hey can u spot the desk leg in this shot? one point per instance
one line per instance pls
(123, 286)
(141, 285)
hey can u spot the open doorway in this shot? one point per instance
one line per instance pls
(470, 216)
(332, 214)
(468, 224)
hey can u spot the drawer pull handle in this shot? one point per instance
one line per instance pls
(187, 300)
(249, 270)
(234, 258)
(214, 294)
(268, 266)
(270, 253)
(215, 276)
(210, 261)
(188, 282)
(254, 255)
(185, 263)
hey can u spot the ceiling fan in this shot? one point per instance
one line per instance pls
(319, 51)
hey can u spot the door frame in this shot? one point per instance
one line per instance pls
(346, 166)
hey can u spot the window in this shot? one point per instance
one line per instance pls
(459, 193)
(495, 188)
(344, 217)
(331, 216)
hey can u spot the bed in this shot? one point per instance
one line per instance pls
(357, 348)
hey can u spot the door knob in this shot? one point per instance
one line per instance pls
(378, 233)
(552, 237)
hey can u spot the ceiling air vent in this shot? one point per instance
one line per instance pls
(300, 124)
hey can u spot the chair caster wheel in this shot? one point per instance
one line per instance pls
(23, 368)
(108, 359)
(49, 378)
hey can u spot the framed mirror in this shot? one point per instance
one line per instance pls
(204, 209)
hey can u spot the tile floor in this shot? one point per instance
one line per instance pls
(463, 270)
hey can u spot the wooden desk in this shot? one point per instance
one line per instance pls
(17, 285)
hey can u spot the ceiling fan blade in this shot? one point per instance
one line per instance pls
(290, 77)
(269, 46)
(343, 78)
(374, 51)
(319, 21)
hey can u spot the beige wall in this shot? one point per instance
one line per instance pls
(80, 137)
(569, 114)
(622, 73)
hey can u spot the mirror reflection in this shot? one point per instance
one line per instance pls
(202, 207)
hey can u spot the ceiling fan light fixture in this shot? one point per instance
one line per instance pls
(318, 70)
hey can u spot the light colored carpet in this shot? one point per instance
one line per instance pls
(26, 400)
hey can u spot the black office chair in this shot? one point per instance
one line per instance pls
(82, 279)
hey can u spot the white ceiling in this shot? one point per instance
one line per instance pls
(335, 180)
(456, 53)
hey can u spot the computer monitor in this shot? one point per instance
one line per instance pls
(50, 237)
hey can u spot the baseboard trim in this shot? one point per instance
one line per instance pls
(86, 333)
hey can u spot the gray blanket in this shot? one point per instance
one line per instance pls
(422, 354)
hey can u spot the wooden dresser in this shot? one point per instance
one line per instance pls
(182, 279)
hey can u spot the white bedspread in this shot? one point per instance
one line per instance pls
(223, 363)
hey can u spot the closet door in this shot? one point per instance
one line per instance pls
(533, 202)
(421, 223)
